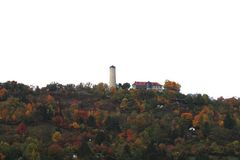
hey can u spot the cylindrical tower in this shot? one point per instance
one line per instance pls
(112, 82)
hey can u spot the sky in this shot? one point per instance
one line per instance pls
(195, 43)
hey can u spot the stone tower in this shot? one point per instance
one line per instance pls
(112, 82)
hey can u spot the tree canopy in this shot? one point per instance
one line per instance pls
(89, 121)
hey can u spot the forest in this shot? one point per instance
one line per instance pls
(93, 122)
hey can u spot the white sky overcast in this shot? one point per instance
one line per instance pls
(195, 43)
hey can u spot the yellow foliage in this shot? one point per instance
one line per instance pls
(172, 86)
(138, 142)
(205, 118)
(221, 123)
(75, 125)
(56, 136)
(14, 117)
(124, 103)
(29, 107)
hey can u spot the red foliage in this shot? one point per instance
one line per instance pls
(127, 134)
(58, 120)
(22, 129)
(81, 113)
(74, 102)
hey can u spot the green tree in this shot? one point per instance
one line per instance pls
(31, 149)
(112, 124)
(91, 121)
(126, 86)
(229, 122)
(205, 129)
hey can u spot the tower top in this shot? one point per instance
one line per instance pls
(112, 82)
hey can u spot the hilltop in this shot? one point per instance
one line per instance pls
(91, 122)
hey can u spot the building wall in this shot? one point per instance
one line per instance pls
(158, 88)
(112, 81)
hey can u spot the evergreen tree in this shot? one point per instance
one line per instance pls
(229, 122)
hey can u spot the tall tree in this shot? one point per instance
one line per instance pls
(229, 122)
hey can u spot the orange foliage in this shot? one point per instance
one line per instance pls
(141, 106)
(221, 123)
(127, 134)
(232, 102)
(187, 116)
(113, 89)
(4, 115)
(56, 136)
(77, 113)
(172, 86)
(50, 99)
(3, 91)
(203, 115)
(75, 125)
(29, 107)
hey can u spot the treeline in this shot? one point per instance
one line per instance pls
(94, 122)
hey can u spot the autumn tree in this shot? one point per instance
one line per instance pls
(187, 116)
(171, 87)
(3, 94)
(22, 129)
(31, 149)
(56, 136)
(101, 89)
(17, 90)
(124, 104)
(55, 151)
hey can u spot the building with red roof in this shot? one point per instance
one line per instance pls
(147, 85)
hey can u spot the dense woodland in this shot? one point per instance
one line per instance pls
(93, 122)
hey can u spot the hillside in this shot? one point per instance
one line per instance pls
(93, 122)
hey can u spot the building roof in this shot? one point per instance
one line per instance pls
(145, 83)
(112, 66)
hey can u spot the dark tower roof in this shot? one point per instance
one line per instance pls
(112, 66)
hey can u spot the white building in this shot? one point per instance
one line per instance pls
(147, 85)
(112, 81)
